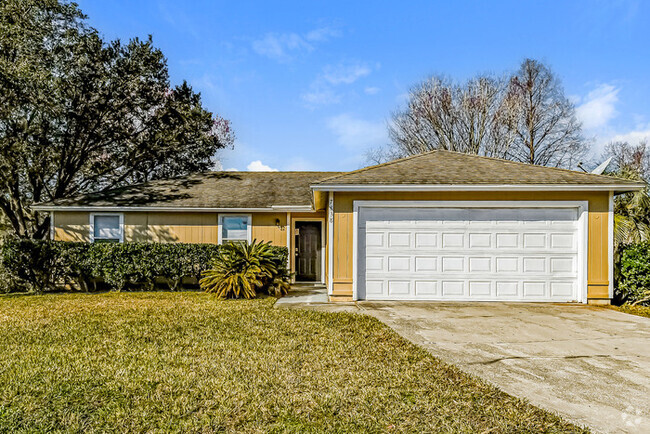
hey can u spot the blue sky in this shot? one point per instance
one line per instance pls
(310, 85)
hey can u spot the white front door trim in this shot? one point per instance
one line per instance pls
(323, 252)
(583, 225)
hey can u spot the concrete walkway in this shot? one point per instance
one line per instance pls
(590, 365)
(314, 297)
(304, 294)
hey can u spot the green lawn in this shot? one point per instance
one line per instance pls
(634, 310)
(160, 362)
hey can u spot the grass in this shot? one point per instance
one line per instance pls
(634, 310)
(161, 362)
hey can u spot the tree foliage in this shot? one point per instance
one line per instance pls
(79, 114)
(631, 221)
(524, 117)
(634, 280)
(632, 210)
(546, 131)
(633, 160)
(449, 116)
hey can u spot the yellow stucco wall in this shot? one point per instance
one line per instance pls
(265, 228)
(202, 228)
(170, 227)
(71, 226)
(185, 227)
(598, 265)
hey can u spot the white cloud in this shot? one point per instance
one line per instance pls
(597, 110)
(598, 107)
(282, 47)
(355, 133)
(632, 137)
(371, 90)
(320, 95)
(322, 34)
(322, 89)
(258, 166)
(344, 74)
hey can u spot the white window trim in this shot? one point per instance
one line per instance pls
(114, 214)
(249, 226)
(583, 225)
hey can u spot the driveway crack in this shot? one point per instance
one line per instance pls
(500, 359)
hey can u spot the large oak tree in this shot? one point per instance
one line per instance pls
(79, 114)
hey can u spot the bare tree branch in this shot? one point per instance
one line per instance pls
(525, 118)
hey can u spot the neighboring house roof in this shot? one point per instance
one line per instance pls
(212, 190)
(445, 168)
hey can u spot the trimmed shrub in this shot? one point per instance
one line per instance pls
(39, 266)
(242, 270)
(31, 265)
(633, 284)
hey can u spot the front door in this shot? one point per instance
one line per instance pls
(308, 251)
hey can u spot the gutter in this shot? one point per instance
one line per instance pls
(619, 188)
(274, 208)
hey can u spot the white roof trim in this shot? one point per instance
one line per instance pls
(291, 207)
(274, 208)
(478, 187)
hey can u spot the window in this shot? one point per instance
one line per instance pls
(107, 228)
(234, 228)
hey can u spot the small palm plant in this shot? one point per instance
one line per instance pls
(240, 270)
(280, 282)
(632, 210)
(632, 218)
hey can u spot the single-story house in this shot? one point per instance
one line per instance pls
(437, 226)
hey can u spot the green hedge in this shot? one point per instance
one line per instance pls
(633, 284)
(40, 266)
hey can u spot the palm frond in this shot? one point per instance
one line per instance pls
(240, 270)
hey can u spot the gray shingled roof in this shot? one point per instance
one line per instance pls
(292, 189)
(453, 168)
(209, 190)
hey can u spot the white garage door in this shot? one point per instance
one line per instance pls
(475, 254)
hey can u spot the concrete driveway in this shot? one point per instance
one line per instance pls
(590, 365)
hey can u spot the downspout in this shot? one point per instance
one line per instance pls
(289, 251)
(610, 245)
(330, 242)
(52, 233)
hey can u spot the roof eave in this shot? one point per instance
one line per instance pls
(617, 188)
(90, 208)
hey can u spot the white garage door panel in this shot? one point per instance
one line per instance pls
(508, 254)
